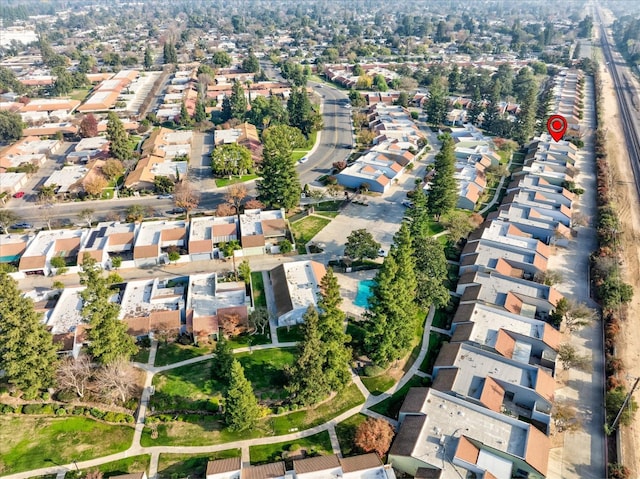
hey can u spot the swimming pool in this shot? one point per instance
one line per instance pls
(364, 293)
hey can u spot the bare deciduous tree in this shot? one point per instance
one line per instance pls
(184, 196)
(88, 215)
(75, 374)
(259, 319)
(232, 324)
(116, 381)
(374, 435)
(254, 205)
(235, 194)
(225, 209)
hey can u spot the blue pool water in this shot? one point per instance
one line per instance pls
(364, 293)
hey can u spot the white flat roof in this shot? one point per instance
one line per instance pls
(302, 284)
(149, 232)
(206, 295)
(250, 221)
(142, 297)
(66, 314)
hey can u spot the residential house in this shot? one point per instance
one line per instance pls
(159, 158)
(11, 183)
(296, 286)
(151, 307)
(374, 171)
(274, 470)
(224, 468)
(513, 335)
(105, 96)
(499, 383)
(546, 192)
(211, 303)
(48, 244)
(134, 475)
(109, 239)
(71, 180)
(154, 239)
(544, 205)
(457, 437)
(516, 295)
(245, 135)
(262, 230)
(13, 246)
(533, 220)
(206, 233)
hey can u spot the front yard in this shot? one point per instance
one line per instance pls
(222, 182)
(305, 229)
(170, 353)
(390, 407)
(193, 466)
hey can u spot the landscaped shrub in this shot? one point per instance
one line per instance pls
(66, 395)
(61, 411)
(97, 413)
(78, 411)
(6, 409)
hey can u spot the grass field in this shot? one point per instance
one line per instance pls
(307, 418)
(222, 182)
(378, 384)
(258, 289)
(307, 228)
(34, 442)
(202, 431)
(142, 356)
(193, 466)
(333, 205)
(265, 368)
(327, 214)
(346, 431)
(318, 444)
(189, 387)
(174, 352)
(390, 407)
(435, 343)
(289, 334)
(116, 468)
(244, 340)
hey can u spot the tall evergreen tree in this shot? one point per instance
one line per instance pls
(27, 354)
(299, 109)
(169, 52)
(148, 58)
(200, 113)
(419, 214)
(238, 102)
(223, 360)
(476, 106)
(392, 314)
(431, 272)
(307, 382)
(527, 118)
(185, 119)
(436, 107)
(241, 410)
(118, 138)
(443, 193)
(337, 355)
(109, 338)
(280, 185)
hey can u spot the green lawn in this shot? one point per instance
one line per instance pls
(318, 444)
(222, 182)
(308, 418)
(173, 352)
(243, 340)
(356, 330)
(378, 384)
(435, 227)
(265, 368)
(346, 431)
(190, 387)
(296, 155)
(390, 407)
(142, 356)
(440, 319)
(116, 468)
(435, 343)
(79, 94)
(193, 466)
(34, 442)
(287, 334)
(198, 431)
(257, 282)
(307, 228)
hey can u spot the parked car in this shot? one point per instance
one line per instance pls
(19, 194)
(407, 203)
(21, 226)
(303, 159)
(176, 211)
(382, 253)
(165, 197)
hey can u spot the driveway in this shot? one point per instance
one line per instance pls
(382, 216)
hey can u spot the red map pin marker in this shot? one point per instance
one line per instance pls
(557, 126)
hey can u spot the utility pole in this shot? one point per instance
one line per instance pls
(624, 404)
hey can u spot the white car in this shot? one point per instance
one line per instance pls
(382, 253)
(165, 197)
(303, 159)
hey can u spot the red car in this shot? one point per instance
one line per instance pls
(19, 194)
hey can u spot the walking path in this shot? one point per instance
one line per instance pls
(244, 445)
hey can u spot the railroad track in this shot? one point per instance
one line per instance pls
(623, 90)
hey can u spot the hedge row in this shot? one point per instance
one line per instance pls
(50, 409)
